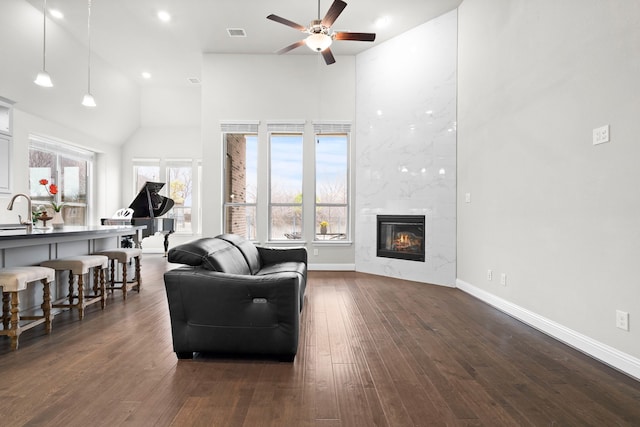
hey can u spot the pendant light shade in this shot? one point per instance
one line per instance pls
(43, 78)
(88, 100)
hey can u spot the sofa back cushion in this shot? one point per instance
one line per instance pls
(211, 253)
(248, 249)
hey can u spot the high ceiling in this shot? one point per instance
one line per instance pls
(129, 35)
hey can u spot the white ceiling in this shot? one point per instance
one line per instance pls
(128, 34)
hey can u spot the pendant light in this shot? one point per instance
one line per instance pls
(88, 100)
(43, 78)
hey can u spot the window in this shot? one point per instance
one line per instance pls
(145, 171)
(241, 184)
(70, 169)
(285, 205)
(332, 184)
(180, 189)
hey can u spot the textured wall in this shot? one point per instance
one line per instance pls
(406, 146)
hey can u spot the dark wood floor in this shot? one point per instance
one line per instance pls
(374, 351)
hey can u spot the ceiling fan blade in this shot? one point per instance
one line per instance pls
(334, 11)
(286, 22)
(328, 56)
(290, 47)
(363, 37)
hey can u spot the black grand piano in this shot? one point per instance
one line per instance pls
(148, 206)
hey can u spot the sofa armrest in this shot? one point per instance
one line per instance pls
(228, 313)
(277, 255)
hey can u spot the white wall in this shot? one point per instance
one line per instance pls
(170, 129)
(272, 87)
(406, 150)
(118, 112)
(559, 216)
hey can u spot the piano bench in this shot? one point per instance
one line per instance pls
(123, 256)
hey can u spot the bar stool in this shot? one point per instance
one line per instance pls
(79, 266)
(124, 257)
(14, 280)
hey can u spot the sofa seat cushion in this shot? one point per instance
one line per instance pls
(282, 267)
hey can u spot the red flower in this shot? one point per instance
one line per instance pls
(52, 189)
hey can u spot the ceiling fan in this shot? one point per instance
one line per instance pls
(320, 34)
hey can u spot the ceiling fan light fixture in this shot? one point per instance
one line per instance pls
(318, 42)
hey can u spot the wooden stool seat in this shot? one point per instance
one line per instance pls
(123, 256)
(79, 266)
(14, 280)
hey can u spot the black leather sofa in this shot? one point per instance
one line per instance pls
(233, 297)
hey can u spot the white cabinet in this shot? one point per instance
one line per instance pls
(6, 134)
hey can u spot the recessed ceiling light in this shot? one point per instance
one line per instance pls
(383, 21)
(56, 13)
(146, 75)
(164, 16)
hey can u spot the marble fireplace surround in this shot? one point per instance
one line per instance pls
(406, 147)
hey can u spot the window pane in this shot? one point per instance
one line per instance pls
(286, 222)
(180, 190)
(331, 168)
(286, 168)
(241, 220)
(143, 174)
(74, 180)
(241, 180)
(286, 186)
(331, 222)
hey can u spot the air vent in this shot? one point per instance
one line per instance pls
(236, 32)
(194, 80)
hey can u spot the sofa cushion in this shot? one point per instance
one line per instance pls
(248, 249)
(194, 252)
(211, 253)
(281, 267)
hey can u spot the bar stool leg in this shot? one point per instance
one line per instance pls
(15, 320)
(103, 289)
(113, 274)
(46, 305)
(70, 288)
(6, 316)
(81, 296)
(124, 281)
(138, 279)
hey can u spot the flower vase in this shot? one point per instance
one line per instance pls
(323, 229)
(57, 220)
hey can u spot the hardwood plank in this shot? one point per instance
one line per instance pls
(373, 351)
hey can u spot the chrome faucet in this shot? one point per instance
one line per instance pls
(29, 222)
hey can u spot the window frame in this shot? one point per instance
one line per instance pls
(329, 130)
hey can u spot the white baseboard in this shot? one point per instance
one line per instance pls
(332, 267)
(606, 354)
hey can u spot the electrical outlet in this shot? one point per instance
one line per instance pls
(601, 135)
(622, 320)
(503, 279)
(315, 251)
(489, 275)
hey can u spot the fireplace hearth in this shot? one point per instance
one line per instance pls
(401, 237)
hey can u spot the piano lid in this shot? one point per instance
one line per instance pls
(148, 203)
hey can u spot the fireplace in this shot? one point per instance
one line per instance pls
(401, 237)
